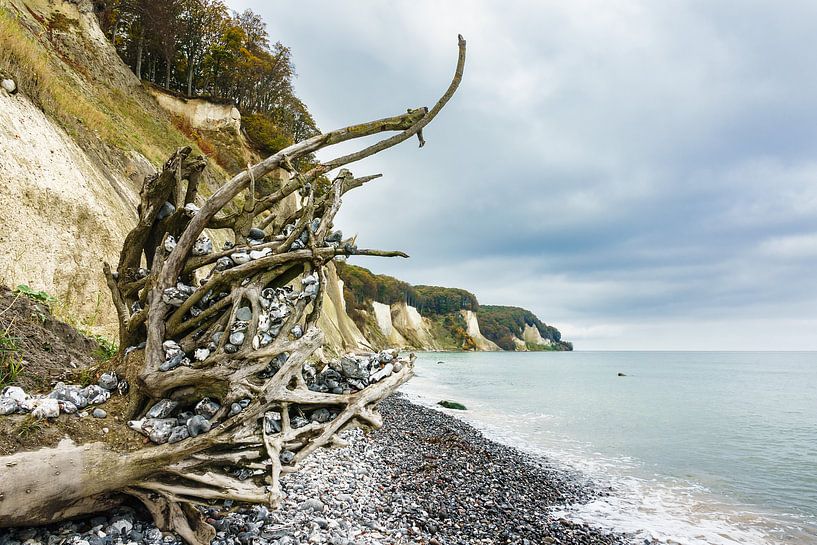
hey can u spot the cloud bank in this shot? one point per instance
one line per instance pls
(642, 175)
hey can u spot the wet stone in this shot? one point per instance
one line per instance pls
(257, 234)
(224, 263)
(235, 408)
(99, 413)
(244, 314)
(286, 456)
(297, 331)
(108, 381)
(202, 246)
(166, 210)
(321, 415)
(240, 258)
(230, 348)
(197, 425)
(170, 243)
(237, 338)
(7, 406)
(178, 433)
(162, 408)
(299, 422)
(207, 408)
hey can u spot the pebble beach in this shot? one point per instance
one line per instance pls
(424, 478)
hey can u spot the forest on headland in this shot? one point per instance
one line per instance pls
(199, 48)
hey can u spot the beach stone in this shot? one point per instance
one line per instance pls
(299, 422)
(230, 348)
(257, 234)
(312, 504)
(201, 354)
(178, 433)
(99, 413)
(7, 405)
(197, 425)
(159, 429)
(224, 263)
(162, 408)
(239, 258)
(67, 407)
(286, 456)
(244, 314)
(46, 408)
(166, 210)
(259, 254)
(170, 243)
(352, 368)
(202, 246)
(207, 408)
(9, 86)
(237, 338)
(272, 422)
(16, 393)
(321, 415)
(297, 331)
(108, 381)
(235, 408)
(94, 394)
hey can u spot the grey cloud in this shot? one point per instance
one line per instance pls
(626, 169)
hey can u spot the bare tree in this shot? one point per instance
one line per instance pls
(250, 334)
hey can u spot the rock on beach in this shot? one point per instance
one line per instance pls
(424, 478)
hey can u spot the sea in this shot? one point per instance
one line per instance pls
(696, 447)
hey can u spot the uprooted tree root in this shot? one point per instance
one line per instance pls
(244, 335)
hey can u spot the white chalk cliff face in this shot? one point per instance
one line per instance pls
(200, 113)
(472, 328)
(60, 213)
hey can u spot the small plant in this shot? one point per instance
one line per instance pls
(86, 376)
(41, 296)
(106, 349)
(27, 426)
(11, 364)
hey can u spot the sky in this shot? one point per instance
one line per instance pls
(639, 174)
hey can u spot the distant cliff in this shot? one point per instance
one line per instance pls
(386, 311)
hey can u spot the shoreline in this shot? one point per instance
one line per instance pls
(424, 478)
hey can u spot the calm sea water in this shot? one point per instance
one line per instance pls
(698, 447)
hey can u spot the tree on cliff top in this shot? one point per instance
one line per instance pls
(225, 326)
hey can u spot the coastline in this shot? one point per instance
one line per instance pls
(424, 478)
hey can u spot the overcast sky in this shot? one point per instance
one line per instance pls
(640, 174)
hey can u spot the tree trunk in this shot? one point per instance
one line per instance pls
(190, 77)
(238, 347)
(139, 46)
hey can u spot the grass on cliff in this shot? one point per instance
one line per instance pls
(81, 106)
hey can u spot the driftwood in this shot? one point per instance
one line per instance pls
(174, 300)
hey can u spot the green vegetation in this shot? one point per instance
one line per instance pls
(201, 48)
(106, 350)
(91, 110)
(502, 324)
(11, 363)
(265, 135)
(27, 426)
(39, 296)
(442, 307)
(452, 405)
(437, 300)
(363, 286)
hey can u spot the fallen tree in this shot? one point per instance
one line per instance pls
(216, 344)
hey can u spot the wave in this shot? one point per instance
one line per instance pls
(645, 505)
